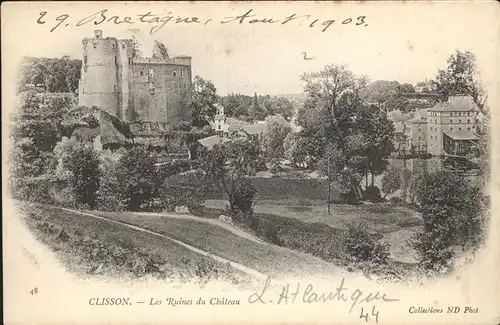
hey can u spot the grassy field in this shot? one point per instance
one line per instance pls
(269, 259)
(396, 225)
(380, 218)
(282, 188)
(92, 247)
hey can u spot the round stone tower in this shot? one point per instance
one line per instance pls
(99, 84)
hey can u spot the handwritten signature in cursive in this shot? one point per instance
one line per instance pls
(306, 294)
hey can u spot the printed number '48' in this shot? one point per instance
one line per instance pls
(34, 291)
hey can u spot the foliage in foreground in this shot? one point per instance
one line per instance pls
(96, 257)
(455, 215)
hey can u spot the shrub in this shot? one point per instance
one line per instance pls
(434, 254)
(391, 181)
(84, 164)
(108, 196)
(137, 173)
(453, 212)
(35, 189)
(361, 246)
(246, 218)
(243, 196)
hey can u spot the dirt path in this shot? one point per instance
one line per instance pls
(216, 258)
(235, 230)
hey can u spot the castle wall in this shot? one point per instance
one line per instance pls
(158, 97)
(149, 92)
(125, 54)
(99, 86)
(133, 89)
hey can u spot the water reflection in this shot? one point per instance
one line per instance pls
(416, 165)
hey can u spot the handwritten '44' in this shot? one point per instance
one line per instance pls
(366, 316)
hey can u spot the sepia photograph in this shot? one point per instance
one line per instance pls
(232, 162)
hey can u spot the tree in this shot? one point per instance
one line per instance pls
(480, 151)
(454, 214)
(137, 171)
(295, 149)
(379, 91)
(378, 131)
(396, 179)
(396, 102)
(278, 130)
(405, 88)
(243, 196)
(256, 111)
(391, 182)
(462, 78)
(83, 163)
(282, 106)
(348, 138)
(56, 75)
(227, 164)
(201, 100)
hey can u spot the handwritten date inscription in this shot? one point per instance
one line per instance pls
(158, 21)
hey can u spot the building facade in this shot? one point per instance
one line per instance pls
(457, 116)
(448, 128)
(133, 88)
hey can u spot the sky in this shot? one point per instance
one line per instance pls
(407, 42)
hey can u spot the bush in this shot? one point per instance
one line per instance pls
(434, 255)
(84, 165)
(245, 218)
(137, 173)
(361, 246)
(453, 212)
(173, 167)
(243, 196)
(391, 181)
(108, 196)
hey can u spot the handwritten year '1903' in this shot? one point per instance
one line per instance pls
(158, 21)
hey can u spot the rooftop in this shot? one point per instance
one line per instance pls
(461, 135)
(232, 121)
(250, 128)
(210, 142)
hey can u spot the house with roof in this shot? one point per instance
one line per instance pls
(222, 123)
(447, 128)
(451, 126)
(401, 136)
(228, 127)
(418, 132)
(253, 131)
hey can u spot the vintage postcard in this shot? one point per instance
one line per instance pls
(250, 162)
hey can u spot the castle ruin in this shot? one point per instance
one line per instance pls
(133, 88)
